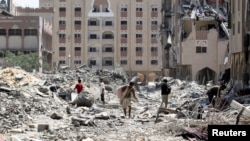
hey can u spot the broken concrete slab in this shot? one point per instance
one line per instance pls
(5, 89)
(42, 127)
(102, 115)
(84, 100)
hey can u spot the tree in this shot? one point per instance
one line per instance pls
(27, 62)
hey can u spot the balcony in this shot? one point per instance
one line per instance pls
(154, 54)
(138, 14)
(154, 14)
(108, 27)
(93, 27)
(78, 14)
(62, 14)
(124, 27)
(108, 41)
(62, 27)
(77, 53)
(124, 40)
(124, 53)
(62, 40)
(154, 27)
(107, 54)
(138, 40)
(93, 54)
(138, 27)
(94, 40)
(124, 14)
(77, 40)
(62, 53)
(153, 41)
(77, 27)
(93, 24)
(139, 53)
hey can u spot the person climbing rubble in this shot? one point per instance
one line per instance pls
(79, 87)
(81, 98)
(214, 94)
(126, 94)
(165, 91)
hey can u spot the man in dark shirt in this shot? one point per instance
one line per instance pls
(214, 91)
(165, 90)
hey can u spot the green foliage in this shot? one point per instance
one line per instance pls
(27, 62)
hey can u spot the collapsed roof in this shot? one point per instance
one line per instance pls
(205, 10)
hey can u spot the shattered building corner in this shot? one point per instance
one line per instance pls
(199, 31)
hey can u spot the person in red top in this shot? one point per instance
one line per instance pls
(79, 86)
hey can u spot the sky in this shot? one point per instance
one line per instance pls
(27, 3)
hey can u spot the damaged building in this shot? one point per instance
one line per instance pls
(239, 41)
(197, 39)
(25, 33)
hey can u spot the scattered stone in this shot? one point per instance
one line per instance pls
(55, 116)
(5, 89)
(102, 115)
(84, 100)
(42, 127)
(16, 131)
(19, 77)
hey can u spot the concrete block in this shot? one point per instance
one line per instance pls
(42, 127)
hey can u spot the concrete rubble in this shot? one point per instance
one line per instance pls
(35, 107)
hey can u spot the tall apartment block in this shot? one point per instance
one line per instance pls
(104, 33)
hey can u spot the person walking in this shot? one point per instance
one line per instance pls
(126, 94)
(102, 90)
(165, 91)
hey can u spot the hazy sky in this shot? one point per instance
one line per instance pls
(27, 3)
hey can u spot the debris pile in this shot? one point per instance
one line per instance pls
(16, 77)
(36, 107)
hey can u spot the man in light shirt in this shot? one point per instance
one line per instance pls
(102, 90)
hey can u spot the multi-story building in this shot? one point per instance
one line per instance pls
(26, 34)
(240, 41)
(103, 33)
(199, 39)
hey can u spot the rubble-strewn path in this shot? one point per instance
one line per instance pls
(35, 107)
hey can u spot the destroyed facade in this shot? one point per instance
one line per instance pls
(196, 38)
